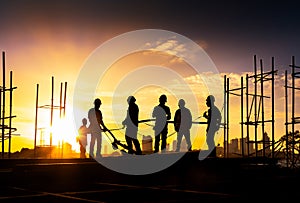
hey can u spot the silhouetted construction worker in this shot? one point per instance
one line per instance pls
(96, 122)
(183, 124)
(82, 137)
(131, 122)
(213, 117)
(162, 113)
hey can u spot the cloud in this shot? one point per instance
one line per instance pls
(170, 46)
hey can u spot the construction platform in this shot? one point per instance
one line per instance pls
(187, 180)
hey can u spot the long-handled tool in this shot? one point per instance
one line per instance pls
(148, 120)
(116, 143)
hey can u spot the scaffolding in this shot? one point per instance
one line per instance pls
(62, 112)
(227, 92)
(292, 138)
(253, 111)
(6, 129)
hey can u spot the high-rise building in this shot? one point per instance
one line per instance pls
(234, 146)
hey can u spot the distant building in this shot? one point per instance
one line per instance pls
(267, 143)
(147, 144)
(174, 143)
(46, 152)
(244, 145)
(234, 146)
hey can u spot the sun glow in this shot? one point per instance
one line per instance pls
(62, 131)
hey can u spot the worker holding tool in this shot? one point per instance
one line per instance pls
(213, 116)
(131, 122)
(183, 124)
(96, 128)
(162, 114)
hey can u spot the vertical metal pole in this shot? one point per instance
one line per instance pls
(262, 107)
(3, 103)
(51, 116)
(286, 118)
(242, 115)
(293, 108)
(36, 117)
(227, 117)
(10, 115)
(60, 116)
(247, 111)
(65, 99)
(255, 105)
(60, 100)
(2, 136)
(64, 114)
(273, 107)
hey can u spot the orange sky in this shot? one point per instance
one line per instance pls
(41, 40)
(147, 97)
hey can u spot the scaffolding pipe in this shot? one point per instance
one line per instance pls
(51, 112)
(242, 115)
(247, 111)
(273, 108)
(3, 91)
(60, 114)
(10, 115)
(36, 116)
(3, 103)
(60, 100)
(255, 105)
(65, 98)
(286, 117)
(293, 107)
(64, 114)
(227, 116)
(262, 107)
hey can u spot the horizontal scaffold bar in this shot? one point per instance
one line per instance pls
(54, 107)
(7, 117)
(7, 89)
(294, 66)
(296, 88)
(256, 122)
(258, 75)
(237, 89)
(257, 95)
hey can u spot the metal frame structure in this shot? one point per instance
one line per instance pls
(6, 129)
(259, 109)
(292, 138)
(52, 107)
(256, 108)
(227, 92)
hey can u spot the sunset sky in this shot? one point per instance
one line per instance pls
(55, 38)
